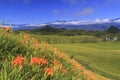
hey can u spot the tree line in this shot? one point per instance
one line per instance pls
(49, 30)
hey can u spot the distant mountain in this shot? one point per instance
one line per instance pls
(97, 25)
(24, 26)
(116, 20)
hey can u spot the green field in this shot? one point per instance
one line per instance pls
(54, 39)
(100, 57)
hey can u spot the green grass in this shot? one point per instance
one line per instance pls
(65, 39)
(101, 57)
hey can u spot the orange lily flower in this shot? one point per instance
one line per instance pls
(8, 28)
(27, 37)
(38, 61)
(18, 61)
(43, 61)
(50, 71)
(35, 60)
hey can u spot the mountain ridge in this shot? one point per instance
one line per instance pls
(96, 25)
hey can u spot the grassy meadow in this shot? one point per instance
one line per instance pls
(101, 57)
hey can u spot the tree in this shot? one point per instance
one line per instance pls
(113, 30)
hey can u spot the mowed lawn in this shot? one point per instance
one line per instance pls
(100, 57)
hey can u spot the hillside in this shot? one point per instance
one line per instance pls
(95, 54)
(25, 58)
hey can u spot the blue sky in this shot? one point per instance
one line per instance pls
(42, 11)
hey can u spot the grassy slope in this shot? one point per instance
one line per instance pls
(101, 57)
(17, 54)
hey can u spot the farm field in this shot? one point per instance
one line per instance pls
(100, 57)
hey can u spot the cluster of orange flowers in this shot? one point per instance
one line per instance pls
(38, 61)
(27, 37)
(49, 71)
(61, 55)
(34, 60)
(64, 70)
(8, 28)
(18, 61)
(56, 62)
(34, 43)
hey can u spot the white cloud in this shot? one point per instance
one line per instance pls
(69, 23)
(36, 25)
(86, 11)
(102, 21)
(117, 21)
(97, 21)
(105, 20)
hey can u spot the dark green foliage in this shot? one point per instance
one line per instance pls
(48, 30)
(113, 30)
(71, 56)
